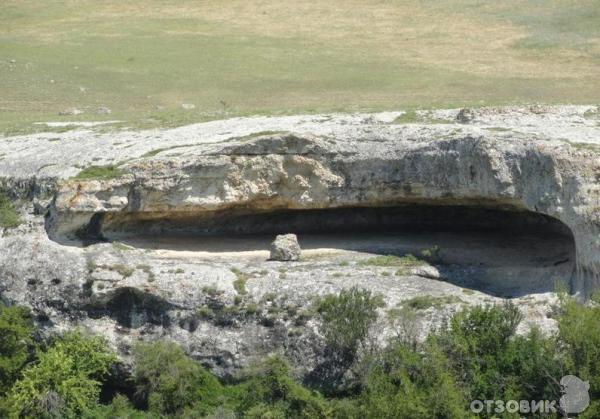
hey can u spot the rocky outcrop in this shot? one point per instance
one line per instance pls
(249, 176)
(390, 166)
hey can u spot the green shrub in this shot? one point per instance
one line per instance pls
(475, 355)
(66, 380)
(169, 381)
(16, 344)
(346, 319)
(99, 173)
(491, 362)
(124, 270)
(408, 117)
(432, 254)
(269, 391)
(409, 383)
(119, 408)
(579, 332)
(9, 217)
(423, 302)
(392, 260)
(240, 283)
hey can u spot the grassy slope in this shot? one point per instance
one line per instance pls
(144, 58)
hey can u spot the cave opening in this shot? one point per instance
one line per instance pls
(504, 251)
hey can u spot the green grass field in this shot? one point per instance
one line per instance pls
(143, 59)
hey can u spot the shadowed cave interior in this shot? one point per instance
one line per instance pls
(502, 251)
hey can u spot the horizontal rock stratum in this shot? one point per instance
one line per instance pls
(220, 177)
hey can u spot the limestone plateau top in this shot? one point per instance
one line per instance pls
(544, 159)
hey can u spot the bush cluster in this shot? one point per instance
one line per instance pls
(475, 355)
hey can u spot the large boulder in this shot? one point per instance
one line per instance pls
(285, 248)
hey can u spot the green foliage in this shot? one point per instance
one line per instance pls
(271, 54)
(407, 118)
(392, 260)
(64, 382)
(99, 173)
(124, 270)
(423, 302)
(119, 408)
(270, 392)
(475, 355)
(405, 383)
(346, 319)
(169, 382)
(9, 217)
(579, 331)
(16, 344)
(491, 362)
(432, 254)
(240, 283)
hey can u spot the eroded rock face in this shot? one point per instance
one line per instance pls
(226, 305)
(350, 168)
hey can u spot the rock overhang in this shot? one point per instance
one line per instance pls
(533, 176)
(340, 162)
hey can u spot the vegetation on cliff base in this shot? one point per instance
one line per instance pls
(9, 217)
(477, 355)
(98, 173)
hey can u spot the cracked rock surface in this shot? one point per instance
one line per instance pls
(175, 242)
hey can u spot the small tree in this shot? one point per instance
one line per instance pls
(491, 362)
(169, 381)
(346, 319)
(269, 391)
(405, 382)
(66, 380)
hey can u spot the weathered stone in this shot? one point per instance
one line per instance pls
(465, 116)
(220, 177)
(285, 248)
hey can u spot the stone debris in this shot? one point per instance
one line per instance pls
(465, 116)
(71, 112)
(427, 271)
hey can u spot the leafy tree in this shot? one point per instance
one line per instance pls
(474, 341)
(476, 355)
(579, 332)
(169, 381)
(271, 392)
(491, 363)
(66, 380)
(409, 383)
(16, 344)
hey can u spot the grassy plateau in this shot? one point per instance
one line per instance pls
(149, 60)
